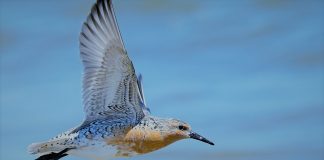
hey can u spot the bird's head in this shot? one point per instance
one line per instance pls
(181, 130)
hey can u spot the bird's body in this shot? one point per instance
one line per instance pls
(118, 122)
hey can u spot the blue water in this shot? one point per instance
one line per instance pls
(248, 75)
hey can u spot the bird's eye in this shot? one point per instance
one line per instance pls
(183, 128)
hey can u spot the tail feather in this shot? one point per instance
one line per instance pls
(42, 148)
(35, 148)
(56, 144)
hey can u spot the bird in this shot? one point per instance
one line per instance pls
(117, 121)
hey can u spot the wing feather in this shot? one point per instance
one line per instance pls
(110, 88)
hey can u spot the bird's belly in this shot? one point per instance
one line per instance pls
(96, 152)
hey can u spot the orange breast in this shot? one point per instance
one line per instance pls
(143, 140)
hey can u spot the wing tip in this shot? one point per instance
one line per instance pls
(109, 2)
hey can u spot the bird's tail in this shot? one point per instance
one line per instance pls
(51, 150)
(50, 146)
(56, 147)
(44, 147)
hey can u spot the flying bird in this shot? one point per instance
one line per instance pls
(117, 122)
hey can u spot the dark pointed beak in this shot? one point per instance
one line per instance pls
(198, 137)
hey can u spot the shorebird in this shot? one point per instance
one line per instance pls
(118, 122)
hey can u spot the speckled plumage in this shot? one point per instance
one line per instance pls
(118, 122)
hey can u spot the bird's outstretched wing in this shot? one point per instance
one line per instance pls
(110, 88)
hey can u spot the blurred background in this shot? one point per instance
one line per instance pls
(248, 75)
